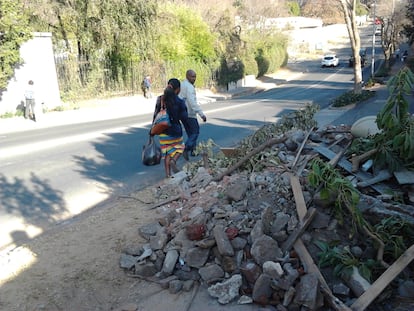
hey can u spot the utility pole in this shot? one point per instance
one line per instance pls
(374, 28)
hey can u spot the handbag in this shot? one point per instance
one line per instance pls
(161, 121)
(151, 152)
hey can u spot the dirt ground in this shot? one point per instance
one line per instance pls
(77, 267)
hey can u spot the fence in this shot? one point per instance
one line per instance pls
(83, 79)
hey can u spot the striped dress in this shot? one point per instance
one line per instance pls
(171, 140)
(171, 145)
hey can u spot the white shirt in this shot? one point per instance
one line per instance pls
(188, 94)
(29, 93)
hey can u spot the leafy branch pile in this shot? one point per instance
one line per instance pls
(390, 237)
(323, 176)
(299, 120)
(395, 141)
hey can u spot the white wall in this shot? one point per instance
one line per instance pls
(39, 66)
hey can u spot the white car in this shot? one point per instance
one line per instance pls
(330, 60)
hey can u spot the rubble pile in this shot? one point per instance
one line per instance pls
(248, 236)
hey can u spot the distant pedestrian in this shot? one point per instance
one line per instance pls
(405, 55)
(146, 87)
(397, 54)
(30, 103)
(192, 128)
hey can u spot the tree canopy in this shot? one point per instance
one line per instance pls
(409, 26)
(109, 44)
(14, 30)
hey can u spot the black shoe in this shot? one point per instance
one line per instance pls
(185, 155)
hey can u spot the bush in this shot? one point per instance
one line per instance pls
(250, 65)
(263, 63)
(230, 71)
(7, 115)
(351, 97)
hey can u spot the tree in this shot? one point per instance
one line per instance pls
(117, 31)
(14, 30)
(294, 8)
(330, 14)
(409, 25)
(392, 17)
(349, 7)
(182, 34)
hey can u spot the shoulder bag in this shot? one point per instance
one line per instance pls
(161, 121)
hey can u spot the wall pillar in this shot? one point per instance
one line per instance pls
(38, 65)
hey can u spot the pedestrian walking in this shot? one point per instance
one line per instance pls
(405, 55)
(30, 103)
(397, 54)
(191, 125)
(146, 87)
(171, 140)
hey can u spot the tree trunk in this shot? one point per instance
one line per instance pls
(348, 7)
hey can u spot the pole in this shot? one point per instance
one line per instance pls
(374, 28)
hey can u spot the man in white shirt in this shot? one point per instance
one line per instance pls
(192, 128)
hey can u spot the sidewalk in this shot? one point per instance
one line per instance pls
(99, 109)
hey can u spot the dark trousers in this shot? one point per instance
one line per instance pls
(192, 128)
(29, 108)
(147, 92)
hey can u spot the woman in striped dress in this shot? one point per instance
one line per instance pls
(171, 140)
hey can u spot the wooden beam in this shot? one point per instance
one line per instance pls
(334, 161)
(356, 160)
(301, 147)
(378, 286)
(305, 257)
(287, 245)
(267, 144)
(299, 199)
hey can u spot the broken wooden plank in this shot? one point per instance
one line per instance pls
(388, 276)
(301, 147)
(337, 141)
(404, 177)
(287, 245)
(381, 176)
(267, 144)
(304, 162)
(334, 161)
(356, 160)
(301, 208)
(230, 152)
(347, 166)
(311, 267)
(305, 257)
